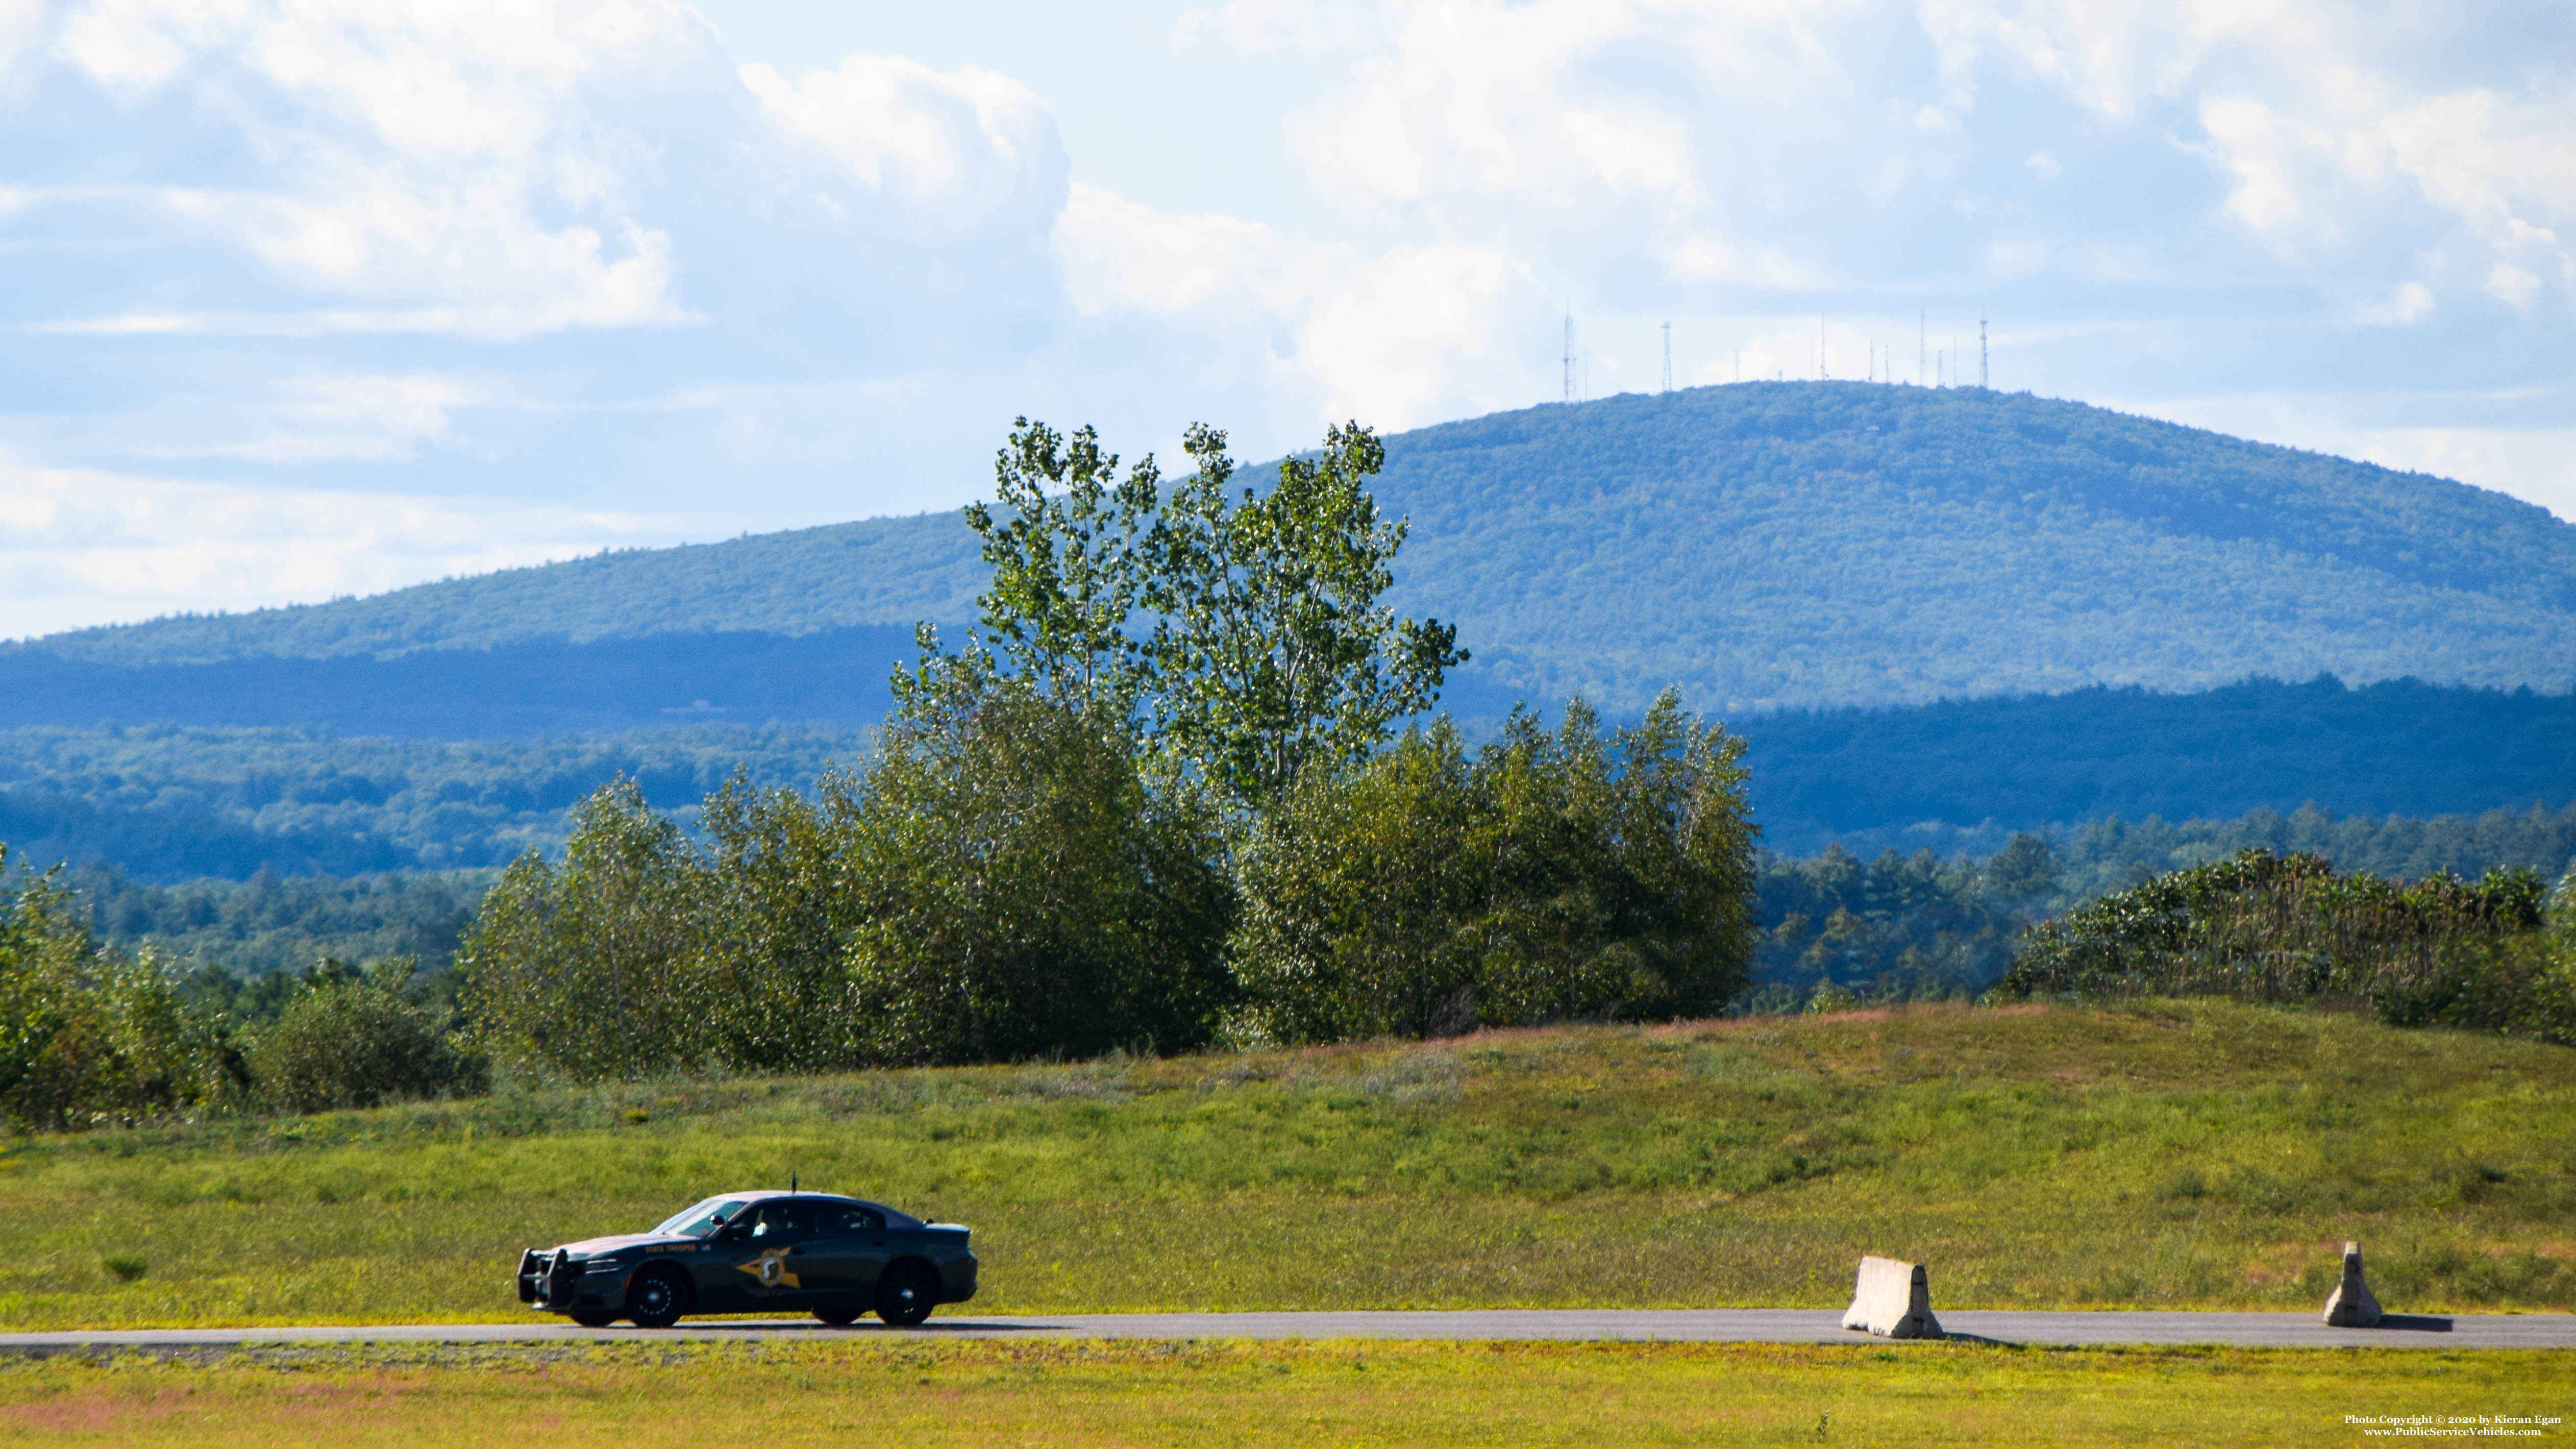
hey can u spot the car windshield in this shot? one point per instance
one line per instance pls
(694, 1220)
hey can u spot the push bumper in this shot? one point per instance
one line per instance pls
(557, 1284)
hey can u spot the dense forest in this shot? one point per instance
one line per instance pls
(168, 804)
(1760, 546)
(2399, 747)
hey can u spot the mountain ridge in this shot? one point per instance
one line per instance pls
(1760, 545)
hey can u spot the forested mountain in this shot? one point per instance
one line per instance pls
(1763, 545)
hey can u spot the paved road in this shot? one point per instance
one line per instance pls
(1719, 1325)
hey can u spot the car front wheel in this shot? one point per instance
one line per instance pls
(906, 1294)
(657, 1300)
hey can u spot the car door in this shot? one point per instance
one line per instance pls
(772, 1255)
(848, 1250)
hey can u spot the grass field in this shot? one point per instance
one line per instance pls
(1241, 1394)
(2188, 1154)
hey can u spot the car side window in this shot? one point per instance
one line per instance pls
(843, 1219)
(777, 1222)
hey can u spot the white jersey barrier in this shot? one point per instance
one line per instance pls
(1893, 1300)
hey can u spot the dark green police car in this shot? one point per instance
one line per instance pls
(758, 1252)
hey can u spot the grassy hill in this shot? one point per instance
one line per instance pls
(1763, 545)
(2189, 1154)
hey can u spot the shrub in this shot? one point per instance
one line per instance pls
(89, 1035)
(592, 968)
(353, 1039)
(1021, 886)
(1554, 876)
(2442, 951)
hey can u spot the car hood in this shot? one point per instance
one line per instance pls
(593, 1247)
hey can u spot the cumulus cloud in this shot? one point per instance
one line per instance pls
(1400, 336)
(450, 166)
(81, 547)
(2412, 302)
(958, 151)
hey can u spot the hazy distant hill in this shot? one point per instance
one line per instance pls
(1763, 545)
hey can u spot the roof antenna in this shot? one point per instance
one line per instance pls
(791, 1184)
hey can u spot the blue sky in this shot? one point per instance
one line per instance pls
(326, 297)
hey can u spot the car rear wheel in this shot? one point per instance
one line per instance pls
(657, 1299)
(594, 1317)
(906, 1294)
(839, 1315)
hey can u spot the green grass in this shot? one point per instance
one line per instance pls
(1243, 1394)
(2189, 1154)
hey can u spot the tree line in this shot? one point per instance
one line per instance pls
(1157, 799)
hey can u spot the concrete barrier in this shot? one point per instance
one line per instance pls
(2351, 1305)
(1893, 1300)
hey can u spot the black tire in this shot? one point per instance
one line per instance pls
(657, 1298)
(594, 1317)
(906, 1294)
(839, 1315)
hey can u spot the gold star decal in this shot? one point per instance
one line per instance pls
(771, 1269)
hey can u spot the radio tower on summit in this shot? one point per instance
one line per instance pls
(1569, 352)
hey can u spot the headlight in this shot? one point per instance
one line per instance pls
(603, 1265)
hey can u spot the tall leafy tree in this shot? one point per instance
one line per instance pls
(1063, 536)
(1240, 630)
(1272, 649)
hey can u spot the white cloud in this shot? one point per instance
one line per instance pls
(2511, 284)
(366, 419)
(474, 164)
(1275, 27)
(2412, 302)
(958, 150)
(2114, 57)
(2330, 120)
(20, 20)
(1397, 338)
(81, 547)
